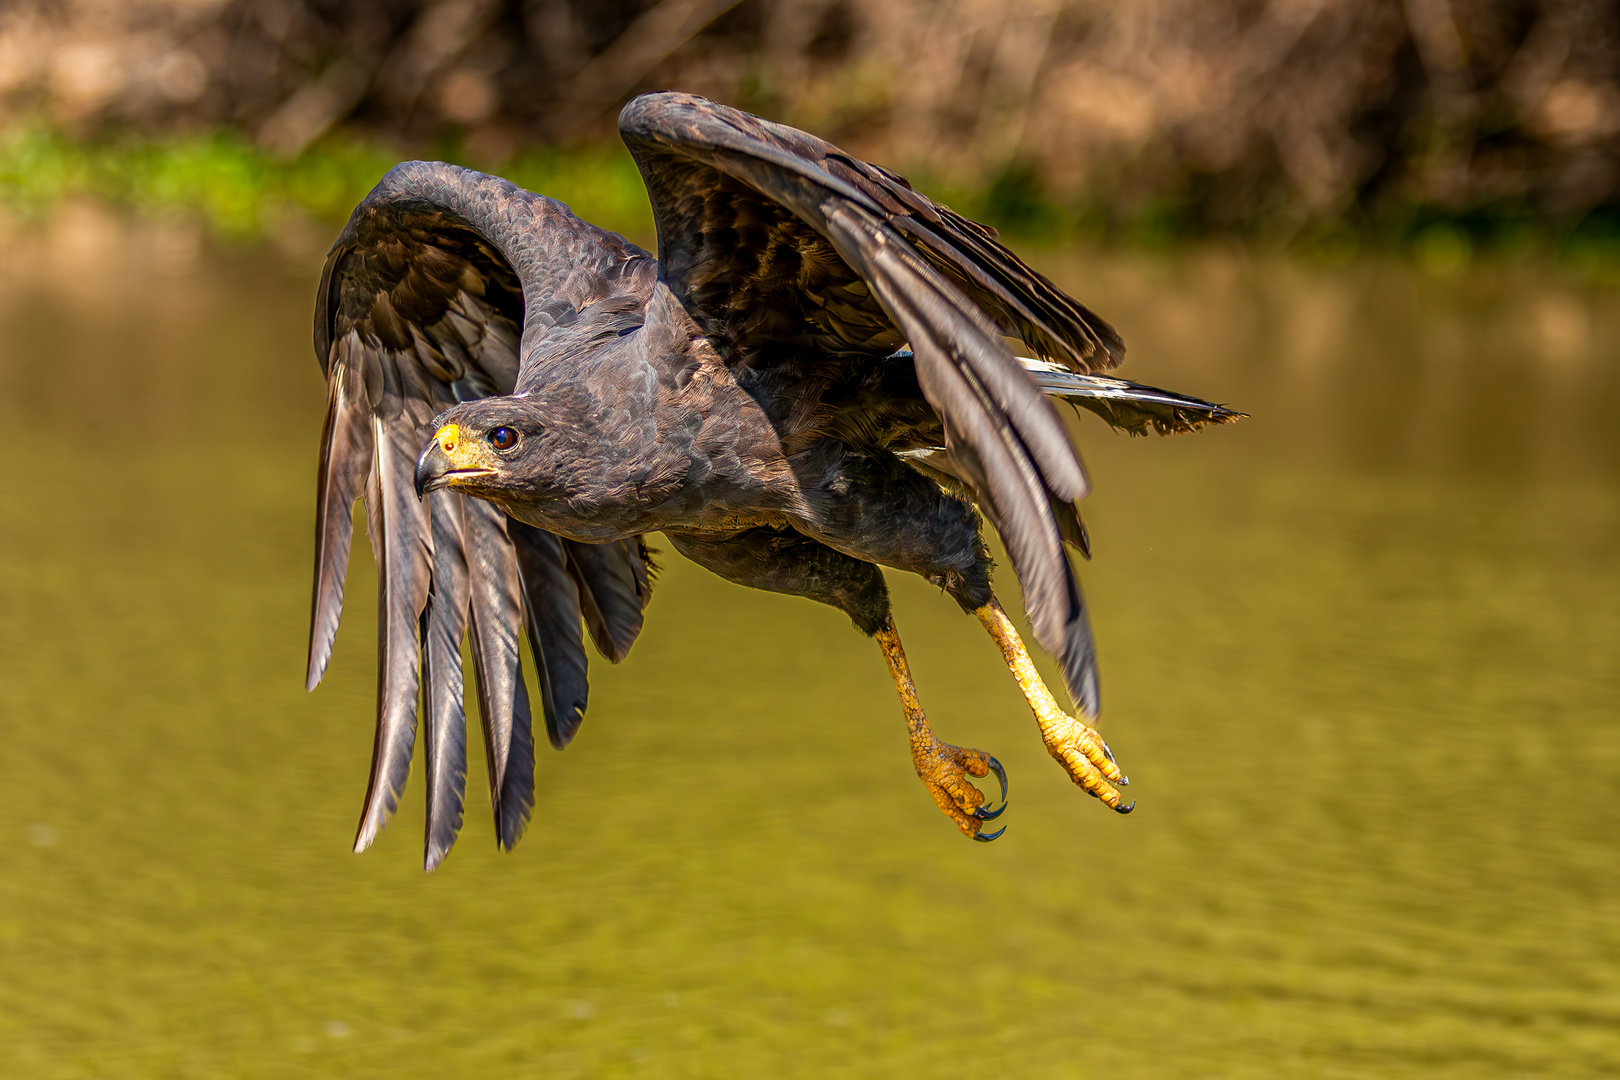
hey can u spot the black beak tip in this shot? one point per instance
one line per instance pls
(427, 470)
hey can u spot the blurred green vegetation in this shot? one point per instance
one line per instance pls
(242, 193)
(219, 176)
(1446, 131)
(1439, 241)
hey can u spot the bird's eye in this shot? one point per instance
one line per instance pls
(503, 438)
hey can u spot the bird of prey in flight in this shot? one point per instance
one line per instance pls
(811, 381)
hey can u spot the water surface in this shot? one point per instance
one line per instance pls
(1358, 658)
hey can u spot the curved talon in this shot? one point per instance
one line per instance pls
(1088, 760)
(985, 838)
(1001, 774)
(1119, 809)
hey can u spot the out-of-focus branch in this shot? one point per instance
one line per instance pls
(314, 108)
(631, 57)
(1439, 44)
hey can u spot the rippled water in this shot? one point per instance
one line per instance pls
(1358, 658)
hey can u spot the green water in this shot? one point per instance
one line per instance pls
(1358, 658)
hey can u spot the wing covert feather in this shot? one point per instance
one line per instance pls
(897, 260)
(772, 157)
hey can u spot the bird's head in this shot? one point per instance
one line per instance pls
(492, 447)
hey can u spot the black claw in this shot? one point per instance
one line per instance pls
(1001, 774)
(1107, 751)
(1124, 781)
(1127, 808)
(985, 838)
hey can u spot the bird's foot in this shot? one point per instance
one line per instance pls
(1079, 749)
(945, 769)
(1084, 756)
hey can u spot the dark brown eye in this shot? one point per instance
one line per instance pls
(503, 438)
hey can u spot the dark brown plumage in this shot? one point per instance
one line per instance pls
(810, 380)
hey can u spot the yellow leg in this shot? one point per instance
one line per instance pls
(944, 768)
(1079, 749)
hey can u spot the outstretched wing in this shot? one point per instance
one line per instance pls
(422, 304)
(780, 245)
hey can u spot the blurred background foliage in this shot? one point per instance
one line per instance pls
(1439, 125)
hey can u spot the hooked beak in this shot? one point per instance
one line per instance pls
(440, 464)
(431, 468)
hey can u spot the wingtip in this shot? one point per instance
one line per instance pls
(1198, 419)
(321, 640)
(566, 728)
(365, 836)
(373, 820)
(510, 827)
(513, 810)
(513, 807)
(513, 796)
